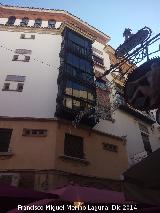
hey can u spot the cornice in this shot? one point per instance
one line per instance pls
(63, 16)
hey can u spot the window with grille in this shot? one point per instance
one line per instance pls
(73, 146)
(5, 136)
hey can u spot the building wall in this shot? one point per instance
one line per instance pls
(127, 125)
(41, 74)
(115, 162)
(41, 153)
(29, 152)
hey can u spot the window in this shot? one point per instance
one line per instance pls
(110, 147)
(32, 36)
(16, 78)
(78, 91)
(83, 42)
(97, 51)
(27, 58)
(38, 22)
(5, 136)
(20, 87)
(24, 22)
(146, 142)
(51, 23)
(34, 132)
(79, 63)
(6, 86)
(23, 36)
(15, 58)
(11, 20)
(73, 146)
(98, 60)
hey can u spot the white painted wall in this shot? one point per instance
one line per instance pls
(127, 125)
(38, 98)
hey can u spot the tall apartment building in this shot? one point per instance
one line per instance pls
(48, 62)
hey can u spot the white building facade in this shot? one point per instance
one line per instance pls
(42, 52)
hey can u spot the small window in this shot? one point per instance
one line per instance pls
(97, 51)
(24, 22)
(35, 132)
(11, 20)
(73, 146)
(110, 147)
(38, 22)
(6, 86)
(27, 58)
(20, 87)
(5, 136)
(23, 36)
(51, 23)
(15, 58)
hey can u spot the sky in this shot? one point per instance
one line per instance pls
(109, 16)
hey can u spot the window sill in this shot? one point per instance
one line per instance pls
(12, 90)
(21, 60)
(79, 160)
(6, 153)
